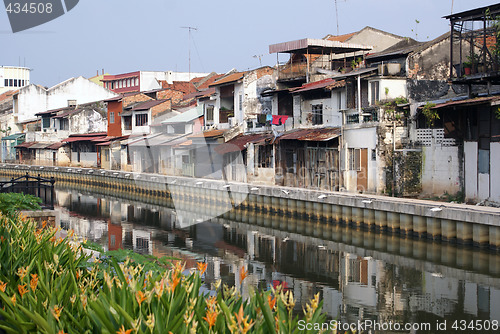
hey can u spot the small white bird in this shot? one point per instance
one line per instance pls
(321, 196)
(254, 189)
(285, 191)
(286, 239)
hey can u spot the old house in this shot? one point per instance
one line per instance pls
(33, 99)
(456, 120)
(141, 81)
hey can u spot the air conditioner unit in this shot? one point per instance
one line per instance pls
(232, 121)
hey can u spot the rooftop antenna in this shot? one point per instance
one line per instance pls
(337, 16)
(190, 29)
(260, 59)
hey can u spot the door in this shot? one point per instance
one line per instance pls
(362, 174)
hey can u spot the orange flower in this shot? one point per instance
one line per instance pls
(271, 301)
(123, 331)
(243, 274)
(140, 297)
(2, 286)
(211, 317)
(202, 267)
(174, 281)
(22, 289)
(34, 281)
(211, 302)
(13, 299)
(243, 324)
(56, 311)
(21, 272)
(2, 238)
(61, 332)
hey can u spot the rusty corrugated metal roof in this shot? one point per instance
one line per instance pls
(312, 134)
(315, 85)
(316, 46)
(477, 100)
(239, 143)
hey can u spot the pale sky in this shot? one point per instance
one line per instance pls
(122, 35)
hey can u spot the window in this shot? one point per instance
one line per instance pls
(374, 92)
(240, 97)
(64, 124)
(6, 82)
(355, 159)
(45, 122)
(209, 113)
(11, 83)
(265, 156)
(339, 100)
(15, 82)
(111, 117)
(127, 122)
(317, 114)
(137, 81)
(141, 120)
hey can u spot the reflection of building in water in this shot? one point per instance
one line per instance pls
(354, 283)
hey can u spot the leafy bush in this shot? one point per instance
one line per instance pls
(50, 285)
(11, 203)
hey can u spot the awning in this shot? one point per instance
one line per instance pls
(240, 143)
(14, 136)
(55, 146)
(153, 140)
(40, 145)
(76, 139)
(26, 144)
(323, 134)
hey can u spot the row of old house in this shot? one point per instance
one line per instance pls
(368, 112)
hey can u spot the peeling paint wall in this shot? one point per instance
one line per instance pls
(441, 170)
(254, 83)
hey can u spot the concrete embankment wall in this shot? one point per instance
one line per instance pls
(455, 223)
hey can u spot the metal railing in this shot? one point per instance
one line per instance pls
(32, 185)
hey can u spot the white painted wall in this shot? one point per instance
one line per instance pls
(87, 159)
(33, 99)
(440, 170)
(13, 72)
(470, 170)
(495, 172)
(397, 88)
(361, 137)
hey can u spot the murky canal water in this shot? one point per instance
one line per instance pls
(367, 276)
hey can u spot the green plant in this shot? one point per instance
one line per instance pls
(12, 203)
(497, 113)
(49, 285)
(430, 114)
(386, 89)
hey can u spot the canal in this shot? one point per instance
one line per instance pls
(360, 274)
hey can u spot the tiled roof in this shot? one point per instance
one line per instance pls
(8, 94)
(208, 134)
(341, 38)
(147, 105)
(229, 78)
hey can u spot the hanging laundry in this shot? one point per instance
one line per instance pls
(269, 117)
(276, 120)
(283, 119)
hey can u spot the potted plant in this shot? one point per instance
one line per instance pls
(467, 67)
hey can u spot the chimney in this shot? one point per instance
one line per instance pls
(103, 71)
(97, 72)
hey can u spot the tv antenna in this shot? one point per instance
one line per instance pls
(260, 59)
(189, 47)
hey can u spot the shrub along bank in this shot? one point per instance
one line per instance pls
(49, 285)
